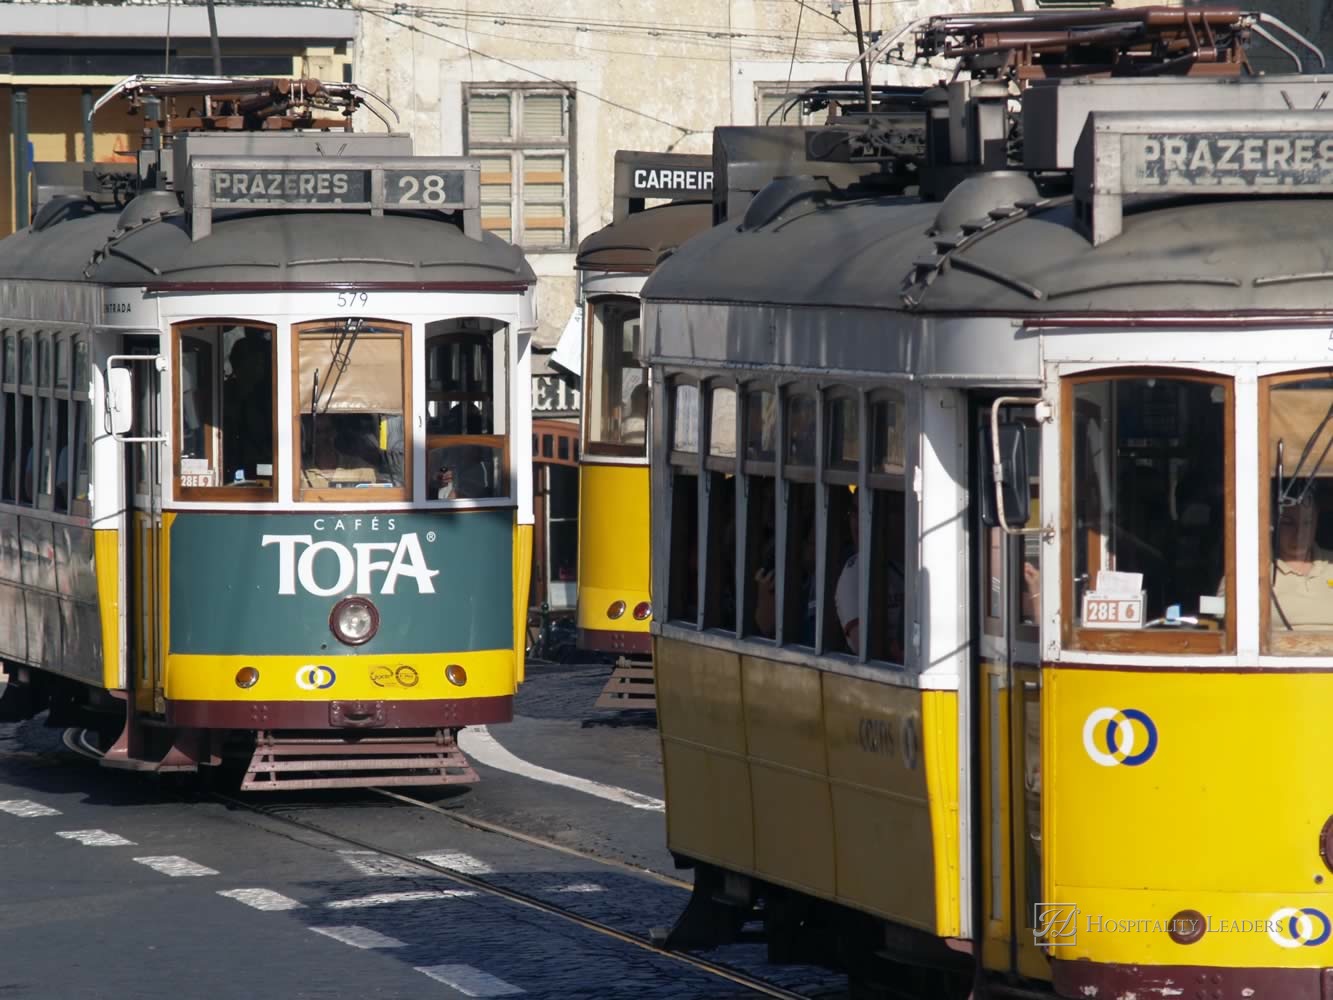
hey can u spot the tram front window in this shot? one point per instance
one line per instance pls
(617, 406)
(350, 404)
(466, 377)
(1150, 522)
(1297, 586)
(224, 404)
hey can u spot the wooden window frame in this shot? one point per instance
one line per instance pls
(517, 148)
(1140, 641)
(1311, 643)
(219, 493)
(594, 395)
(382, 494)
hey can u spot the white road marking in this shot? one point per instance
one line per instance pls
(95, 838)
(374, 863)
(175, 866)
(480, 745)
(454, 861)
(359, 937)
(469, 981)
(580, 887)
(388, 898)
(261, 899)
(26, 808)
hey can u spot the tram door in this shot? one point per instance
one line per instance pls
(143, 477)
(1007, 685)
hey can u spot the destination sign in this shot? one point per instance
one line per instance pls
(430, 188)
(1211, 159)
(241, 186)
(652, 181)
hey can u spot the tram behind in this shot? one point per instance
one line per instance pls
(614, 610)
(265, 423)
(994, 534)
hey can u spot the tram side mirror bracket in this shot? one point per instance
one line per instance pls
(120, 400)
(1005, 500)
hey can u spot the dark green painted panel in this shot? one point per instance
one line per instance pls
(265, 583)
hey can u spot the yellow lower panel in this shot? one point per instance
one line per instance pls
(522, 580)
(106, 560)
(898, 884)
(699, 696)
(793, 828)
(490, 673)
(613, 544)
(708, 805)
(939, 735)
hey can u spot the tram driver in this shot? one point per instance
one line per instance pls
(1302, 582)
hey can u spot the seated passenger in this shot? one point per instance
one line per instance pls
(459, 472)
(634, 427)
(1302, 588)
(847, 596)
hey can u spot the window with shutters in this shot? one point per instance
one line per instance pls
(775, 104)
(521, 135)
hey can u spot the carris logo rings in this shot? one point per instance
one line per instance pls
(315, 678)
(1113, 735)
(1291, 927)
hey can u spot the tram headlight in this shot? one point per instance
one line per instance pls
(642, 610)
(247, 677)
(455, 674)
(616, 609)
(354, 621)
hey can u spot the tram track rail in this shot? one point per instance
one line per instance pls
(76, 741)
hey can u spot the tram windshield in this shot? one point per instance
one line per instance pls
(466, 370)
(350, 395)
(617, 403)
(224, 409)
(1299, 579)
(1150, 512)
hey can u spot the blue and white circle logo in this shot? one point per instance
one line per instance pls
(1292, 927)
(1115, 736)
(315, 678)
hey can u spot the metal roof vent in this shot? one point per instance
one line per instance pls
(780, 195)
(981, 193)
(147, 207)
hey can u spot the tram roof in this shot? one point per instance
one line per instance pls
(258, 248)
(637, 242)
(1193, 255)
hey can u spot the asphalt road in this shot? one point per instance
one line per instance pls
(116, 885)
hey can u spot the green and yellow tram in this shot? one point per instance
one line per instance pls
(265, 423)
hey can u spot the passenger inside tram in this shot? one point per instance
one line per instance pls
(247, 408)
(1302, 583)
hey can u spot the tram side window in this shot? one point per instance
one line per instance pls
(761, 431)
(1299, 504)
(224, 409)
(81, 443)
(9, 416)
(720, 463)
(466, 381)
(799, 597)
(1149, 500)
(683, 569)
(842, 456)
(351, 396)
(25, 429)
(618, 397)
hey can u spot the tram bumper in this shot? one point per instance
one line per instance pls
(1111, 981)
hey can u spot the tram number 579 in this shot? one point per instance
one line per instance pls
(348, 299)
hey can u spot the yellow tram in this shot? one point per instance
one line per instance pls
(661, 200)
(993, 525)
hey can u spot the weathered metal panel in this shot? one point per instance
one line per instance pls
(36, 540)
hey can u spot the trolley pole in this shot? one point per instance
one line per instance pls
(217, 49)
(860, 45)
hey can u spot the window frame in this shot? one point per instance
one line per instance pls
(517, 149)
(595, 393)
(1134, 641)
(784, 91)
(384, 494)
(222, 493)
(1320, 642)
(502, 414)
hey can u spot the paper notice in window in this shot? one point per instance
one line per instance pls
(194, 466)
(263, 469)
(1113, 584)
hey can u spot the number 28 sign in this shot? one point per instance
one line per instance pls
(432, 188)
(1105, 611)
